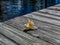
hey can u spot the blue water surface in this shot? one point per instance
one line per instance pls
(16, 8)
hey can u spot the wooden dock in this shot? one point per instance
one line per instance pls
(48, 33)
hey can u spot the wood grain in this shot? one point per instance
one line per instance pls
(19, 36)
(5, 41)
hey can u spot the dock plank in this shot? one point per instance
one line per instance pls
(56, 8)
(22, 20)
(44, 19)
(19, 36)
(58, 5)
(5, 41)
(44, 29)
(51, 12)
(46, 15)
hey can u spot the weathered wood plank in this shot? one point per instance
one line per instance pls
(51, 12)
(46, 15)
(22, 20)
(58, 5)
(5, 41)
(6, 32)
(44, 29)
(44, 19)
(54, 8)
(19, 36)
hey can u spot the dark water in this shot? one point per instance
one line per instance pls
(14, 8)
